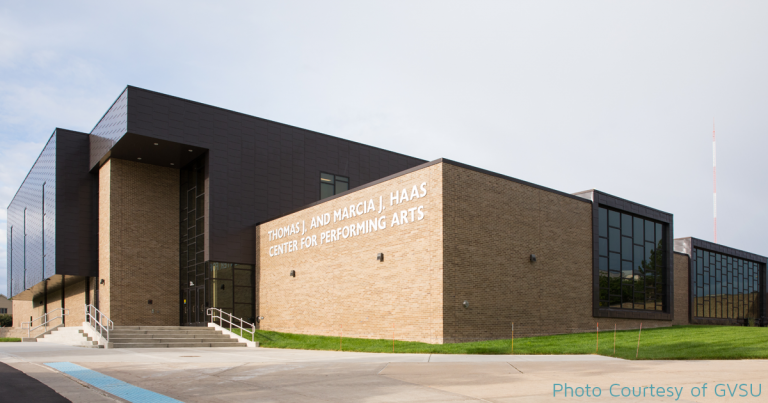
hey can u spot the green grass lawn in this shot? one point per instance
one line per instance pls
(670, 343)
(9, 339)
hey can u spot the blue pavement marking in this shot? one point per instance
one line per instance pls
(110, 385)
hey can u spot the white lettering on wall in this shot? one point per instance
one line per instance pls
(360, 223)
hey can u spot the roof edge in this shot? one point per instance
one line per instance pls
(256, 117)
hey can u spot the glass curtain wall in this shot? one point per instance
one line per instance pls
(192, 242)
(725, 287)
(632, 264)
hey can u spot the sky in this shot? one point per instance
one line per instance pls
(615, 96)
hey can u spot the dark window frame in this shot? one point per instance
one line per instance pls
(209, 277)
(600, 199)
(759, 283)
(336, 178)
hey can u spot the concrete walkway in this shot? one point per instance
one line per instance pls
(277, 375)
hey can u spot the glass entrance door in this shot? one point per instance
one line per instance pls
(195, 306)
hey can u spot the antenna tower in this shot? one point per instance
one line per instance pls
(714, 176)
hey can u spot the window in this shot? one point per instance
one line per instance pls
(332, 185)
(725, 287)
(3, 310)
(192, 225)
(631, 263)
(232, 289)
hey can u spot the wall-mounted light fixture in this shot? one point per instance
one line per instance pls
(155, 143)
(191, 284)
(466, 304)
(139, 158)
(293, 273)
(222, 286)
(380, 257)
(259, 319)
(171, 163)
(533, 258)
(149, 302)
(190, 150)
(102, 282)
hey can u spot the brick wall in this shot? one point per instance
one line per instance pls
(105, 236)
(474, 245)
(139, 243)
(492, 226)
(342, 284)
(54, 303)
(681, 290)
(22, 310)
(74, 300)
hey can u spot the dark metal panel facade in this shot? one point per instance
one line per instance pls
(112, 126)
(77, 206)
(616, 203)
(257, 169)
(32, 224)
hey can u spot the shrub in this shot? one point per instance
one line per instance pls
(6, 320)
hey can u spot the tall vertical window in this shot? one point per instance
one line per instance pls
(631, 262)
(725, 287)
(192, 225)
(332, 184)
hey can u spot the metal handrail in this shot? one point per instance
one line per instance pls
(94, 317)
(44, 320)
(215, 313)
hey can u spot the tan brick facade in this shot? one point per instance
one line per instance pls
(74, 301)
(681, 290)
(139, 243)
(493, 225)
(474, 245)
(24, 310)
(341, 283)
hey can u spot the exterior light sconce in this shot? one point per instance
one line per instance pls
(380, 257)
(293, 273)
(155, 143)
(533, 258)
(149, 302)
(139, 158)
(222, 286)
(102, 282)
(191, 284)
(190, 150)
(259, 319)
(466, 304)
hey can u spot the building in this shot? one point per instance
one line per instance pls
(6, 307)
(170, 206)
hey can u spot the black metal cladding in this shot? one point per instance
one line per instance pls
(112, 126)
(26, 221)
(257, 169)
(43, 241)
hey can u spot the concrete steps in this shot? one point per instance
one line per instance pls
(70, 336)
(169, 336)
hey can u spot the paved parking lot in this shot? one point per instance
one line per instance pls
(275, 375)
